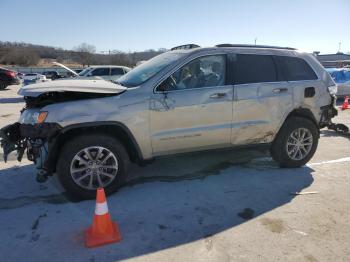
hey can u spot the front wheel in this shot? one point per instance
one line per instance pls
(91, 161)
(296, 142)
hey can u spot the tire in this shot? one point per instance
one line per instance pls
(279, 148)
(3, 85)
(92, 143)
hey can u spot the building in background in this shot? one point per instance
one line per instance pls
(333, 60)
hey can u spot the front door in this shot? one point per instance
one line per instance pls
(192, 108)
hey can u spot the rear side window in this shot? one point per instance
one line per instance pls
(295, 69)
(117, 71)
(254, 69)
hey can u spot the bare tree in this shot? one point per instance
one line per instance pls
(85, 53)
(18, 53)
(20, 56)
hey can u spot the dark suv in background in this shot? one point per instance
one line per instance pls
(52, 75)
(8, 77)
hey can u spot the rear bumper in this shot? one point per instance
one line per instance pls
(14, 81)
(328, 112)
(11, 81)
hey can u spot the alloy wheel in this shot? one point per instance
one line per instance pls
(94, 167)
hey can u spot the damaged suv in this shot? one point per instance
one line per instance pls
(88, 131)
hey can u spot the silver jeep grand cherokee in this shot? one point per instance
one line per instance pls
(187, 99)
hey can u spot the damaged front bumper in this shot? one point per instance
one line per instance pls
(33, 138)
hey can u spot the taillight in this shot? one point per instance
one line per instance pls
(11, 73)
(333, 89)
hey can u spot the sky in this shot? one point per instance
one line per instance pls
(131, 25)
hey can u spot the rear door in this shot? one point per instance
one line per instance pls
(262, 99)
(301, 78)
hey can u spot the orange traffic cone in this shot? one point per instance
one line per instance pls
(103, 230)
(346, 103)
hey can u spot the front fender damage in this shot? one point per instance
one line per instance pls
(33, 138)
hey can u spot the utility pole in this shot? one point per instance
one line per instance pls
(339, 46)
(255, 40)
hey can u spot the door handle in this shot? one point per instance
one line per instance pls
(280, 90)
(218, 95)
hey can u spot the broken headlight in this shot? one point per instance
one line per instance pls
(40, 116)
(32, 116)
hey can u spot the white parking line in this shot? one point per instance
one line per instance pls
(340, 160)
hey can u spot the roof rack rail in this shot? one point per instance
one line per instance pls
(184, 47)
(255, 46)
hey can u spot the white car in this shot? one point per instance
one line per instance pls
(105, 72)
(33, 78)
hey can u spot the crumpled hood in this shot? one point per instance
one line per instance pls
(84, 86)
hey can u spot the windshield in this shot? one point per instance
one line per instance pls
(145, 71)
(85, 71)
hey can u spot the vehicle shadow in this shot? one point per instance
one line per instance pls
(330, 133)
(178, 200)
(11, 100)
(167, 215)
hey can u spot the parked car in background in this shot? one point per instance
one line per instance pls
(53, 75)
(78, 70)
(20, 75)
(111, 73)
(8, 77)
(341, 77)
(33, 78)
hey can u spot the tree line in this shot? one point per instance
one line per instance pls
(25, 54)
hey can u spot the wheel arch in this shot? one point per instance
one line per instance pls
(114, 129)
(299, 112)
(303, 112)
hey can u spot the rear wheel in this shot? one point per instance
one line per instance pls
(92, 161)
(295, 143)
(3, 85)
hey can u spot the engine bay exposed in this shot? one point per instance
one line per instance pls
(59, 97)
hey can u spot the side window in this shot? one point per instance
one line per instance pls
(117, 71)
(254, 69)
(100, 72)
(295, 68)
(205, 71)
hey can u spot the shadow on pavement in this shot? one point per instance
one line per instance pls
(11, 100)
(330, 133)
(160, 208)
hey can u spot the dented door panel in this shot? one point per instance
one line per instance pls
(258, 110)
(185, 120)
